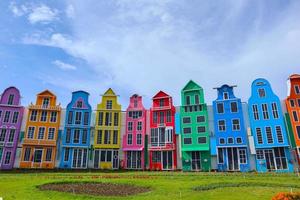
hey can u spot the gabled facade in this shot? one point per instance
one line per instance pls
(194, 129)
(77, 131)
(162, 142)
(11, 115)
(107, 132)
(135, 133)
(230, 132)
(41, 132)
(268, 129)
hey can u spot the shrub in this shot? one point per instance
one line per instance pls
(287, 196)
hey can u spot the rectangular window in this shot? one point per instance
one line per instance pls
(255, 112)
(156, 157)
(6, 117)
(292, 103)
(243, 157)
(220, 156)
(76, 136)
(235, 124)
(186, 120)
(44, 116)
(99, 137)
(46, 102)
(221, 125)
(30, 132)
(107, 137)
(38, 153)
(41, 133)
(225, 95)
(109, 104)
(78, 117)
(187, 140)
(260, 155)
(7, 158)
(295, 115)
(53, 117)
(27, 154)
(222, 141)
(230, 140)
(275, 111)
(297, 100)
(129, 139)
(259, 136)
(66, 156)
(11, 135)
(239, 140)
(51, 132)
(116, 119)
(202, 140)
(233, 107)
(15, 117)
(0, 114)
(139, 126)
(139, 138)
(68, 135)
(161, 103)
(115, 137)
(187, 130)
(261, 92)
(154, 137)
(129, 126)
(265, 111)
(298, 131)
(197, 99)
(220, 108)
(10, 99)
(108, 118)
(2, 135)
(48, 154)
(86, 116)
(201, 129)
(200, 119)
(70, 117)
(269, 135)
(297, 89)
(84, 136)
(279, 134)
(100, 118)
(154, 117)
(169, 116)
(188, 100)
(161, 117)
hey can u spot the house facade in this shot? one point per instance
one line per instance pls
(11, 115)
(162, 141)
(107, 132)
(41, 132)
(194, 129)
(268, 129)
(230, 132)
(135, 132)
(77, 131)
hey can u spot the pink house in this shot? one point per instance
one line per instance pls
(134, 138)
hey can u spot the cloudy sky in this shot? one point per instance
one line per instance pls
(142, 46)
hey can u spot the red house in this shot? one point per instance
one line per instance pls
(162, 142)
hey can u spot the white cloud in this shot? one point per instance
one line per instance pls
(42, 14)
(64, 66)
(70, 11)
(18, 11)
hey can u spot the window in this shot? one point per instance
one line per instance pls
(161, 103)
(295, 115)
(6, 117)
(243, 158)
(10, 99)
(129, 139)
(220, 156)
(53, 117)
(261, 92)
(116, 119)
(279, 134)
(68, 135)
(200, 119)
(260, 155)
(37, 158)
(51, 132)
(15, 117)
(255, 112)
(239, 140)
(186, 120)
(100, 118)
(187, 130)
(187, 140)
(139, 126)
(129, 126)
(188, 100)
(201, 129)
(76, 136)
(236, 124)
(107, 137)
(281, 161)
(201, 140)
(220, 108)
(161, 117)
(169, 116)
(297, 89)
(225, 95)
(230, 140)
(221, 125)
(109, 104)
(292, 102)
(169, 135)
(259, 136)
(86, 118)
(135, 103)
(108, 118)
(269, 135)
(84, 136)
(44, 116)
(99, 137)
(297, 100)
(46, 102)
(79, 104)
(30, 132)
(139, 138)
(78, 117)
(156, 156)
(48, 154)
(265, 111)
(115, 137)
(41, 133)
(11, 135)
(274, 110)
(298, 131)
(67, 153)
(70, 117)
(27, 154)
(154, 117)
(197, 99)
(233, 107)
(222, 141)
(0, 114)
(7, 158)
(2, 135)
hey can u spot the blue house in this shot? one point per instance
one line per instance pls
(230, 133)
(268, 129)
(76, 136)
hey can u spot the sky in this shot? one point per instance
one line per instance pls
(142, 46)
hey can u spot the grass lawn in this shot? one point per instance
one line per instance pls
(164, 185)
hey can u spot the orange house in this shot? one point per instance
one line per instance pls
(40, 139)
(293, 107)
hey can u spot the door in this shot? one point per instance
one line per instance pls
(233, 161)
(79, 158)
(37, 158)
(167, 158)
(269, 155)
(115, 160)
(196, 160)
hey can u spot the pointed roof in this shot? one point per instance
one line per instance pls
(294, 76)
(46, 93)
(191, 85)
(109, 92)
(160, 94)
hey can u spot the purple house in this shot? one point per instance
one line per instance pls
(11, 113)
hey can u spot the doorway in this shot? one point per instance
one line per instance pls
(167, 158)
(196, 160)
(233, 159)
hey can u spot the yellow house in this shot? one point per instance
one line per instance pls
(39, 146)
(107, 132)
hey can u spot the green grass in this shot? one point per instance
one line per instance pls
(165, 185)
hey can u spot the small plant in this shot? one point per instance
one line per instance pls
(287, 196)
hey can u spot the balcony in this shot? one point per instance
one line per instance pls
(156, 108)
(162, 145)
(41, 107)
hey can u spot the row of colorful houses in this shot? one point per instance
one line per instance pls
(229, 135)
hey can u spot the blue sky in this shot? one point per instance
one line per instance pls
(142, 46)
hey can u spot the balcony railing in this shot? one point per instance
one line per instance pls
(41, 107)
(155, 108)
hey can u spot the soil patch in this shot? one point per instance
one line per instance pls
(95, 188)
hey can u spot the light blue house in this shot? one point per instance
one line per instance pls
(76, 136)
(268, 129)
(230, 134)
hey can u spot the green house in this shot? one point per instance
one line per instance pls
(194, 130)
